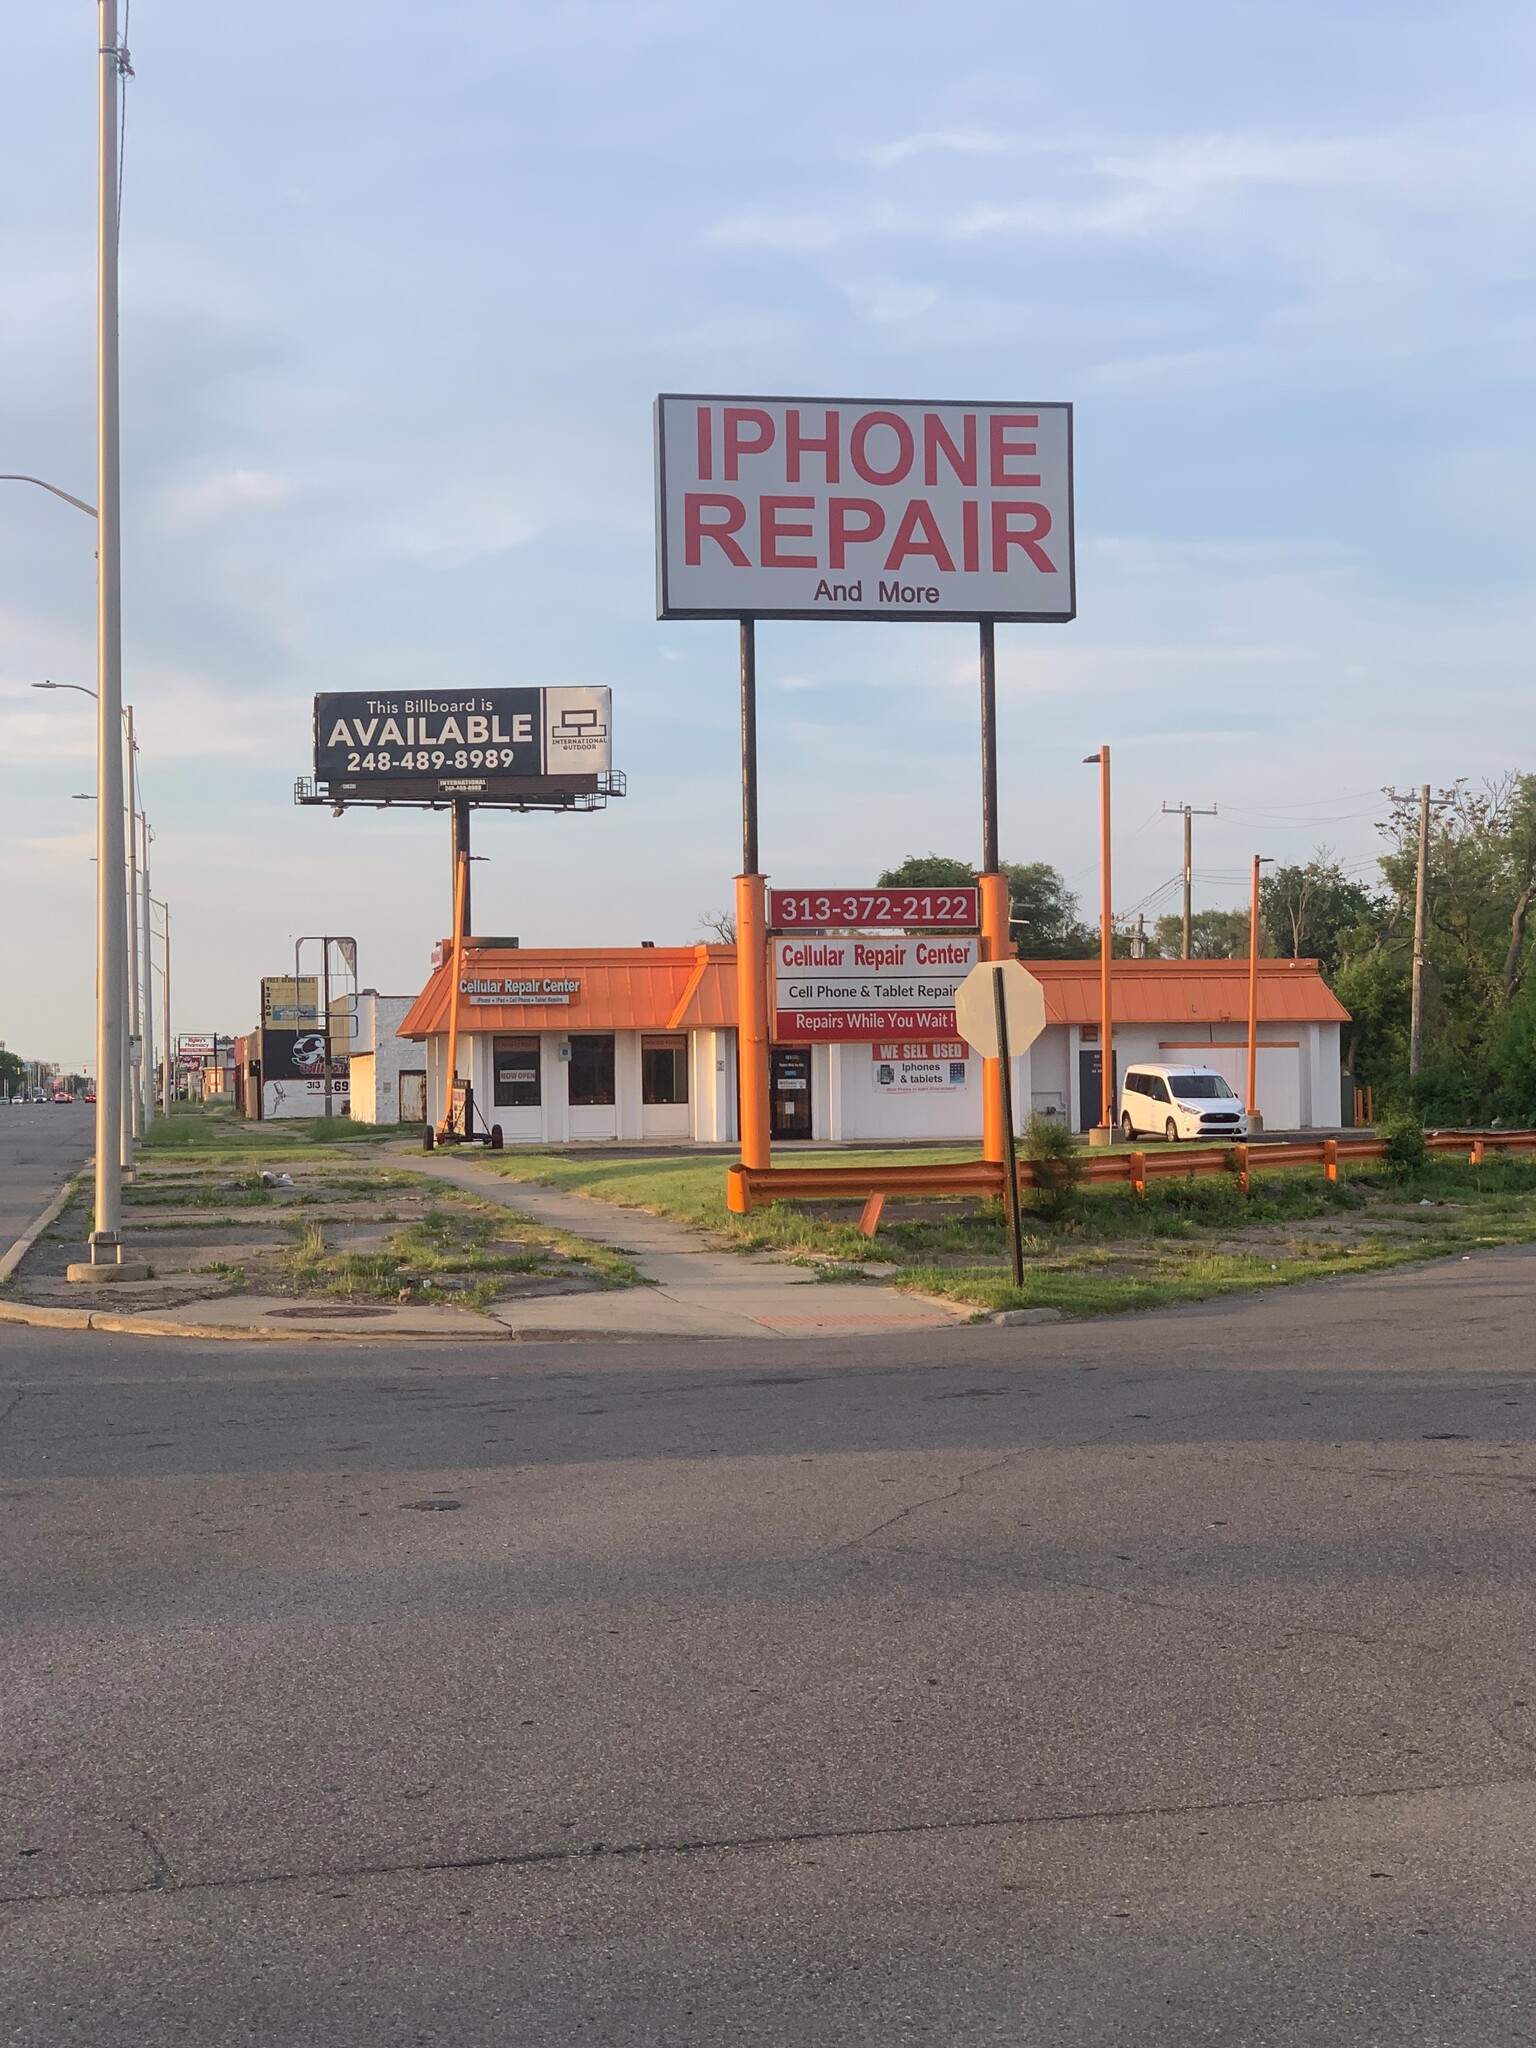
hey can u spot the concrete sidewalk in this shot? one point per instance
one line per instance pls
(693, 1291)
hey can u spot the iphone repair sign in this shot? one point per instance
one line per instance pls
(850, 508)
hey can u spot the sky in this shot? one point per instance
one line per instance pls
(400, 285)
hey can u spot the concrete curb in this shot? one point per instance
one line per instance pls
(34, 1231)
(158, 1326)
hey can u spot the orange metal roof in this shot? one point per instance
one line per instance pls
(685, 988)
(628, 988)
(1188, 991)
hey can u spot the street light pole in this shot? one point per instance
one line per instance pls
(1106, 1127)
(1260, 860)
(147, 1048)
(111, 920)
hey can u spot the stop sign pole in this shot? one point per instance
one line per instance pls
(1000, 1010)
(1010, 1143)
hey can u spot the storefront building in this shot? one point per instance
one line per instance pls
(637, 1045)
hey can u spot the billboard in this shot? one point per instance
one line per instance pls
(868, 989)
(290, 1000)
(851, 508)
(420, 744)
(300, 1056)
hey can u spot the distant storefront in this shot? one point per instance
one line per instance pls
(639, 1044)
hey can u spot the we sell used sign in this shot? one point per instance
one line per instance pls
(852, 508)
(869, 988)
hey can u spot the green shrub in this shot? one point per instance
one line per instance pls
(1406, 1153)
(1052, 1151)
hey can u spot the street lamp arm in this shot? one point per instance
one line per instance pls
(42, 484)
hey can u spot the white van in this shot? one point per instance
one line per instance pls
(1179, 1102)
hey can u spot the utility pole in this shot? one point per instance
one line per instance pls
(1188, 813)
(1420, 894)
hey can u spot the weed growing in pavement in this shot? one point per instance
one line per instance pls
(450, 1254)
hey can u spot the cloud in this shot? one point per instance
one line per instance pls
(929, 141)
(223, 494)
(890, 301)
(777, 231)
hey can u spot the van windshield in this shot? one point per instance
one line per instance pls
(1200, 1088)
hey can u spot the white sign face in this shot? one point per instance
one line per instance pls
(510, 991)
(905, 1076)
(1023, 1004)
(868, 988)
(849, 508)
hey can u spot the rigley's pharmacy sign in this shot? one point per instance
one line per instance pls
(504, 992)
(852, 508)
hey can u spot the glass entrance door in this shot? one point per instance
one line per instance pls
(789, 1069)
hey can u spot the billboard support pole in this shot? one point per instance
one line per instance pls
(751, 933)
(996, 1113)
(461, 890)
(325, 998)
(460, 845)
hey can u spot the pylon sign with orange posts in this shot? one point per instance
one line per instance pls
(851, 508)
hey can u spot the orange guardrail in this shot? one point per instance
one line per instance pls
(750, 1187)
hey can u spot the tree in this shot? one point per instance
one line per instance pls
(1042, 909)
(1213, 935)
(718, 926)
(13, 1073)
(1314, 911)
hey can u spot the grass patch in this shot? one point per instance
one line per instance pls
(1097, 1249)
(464, 1253)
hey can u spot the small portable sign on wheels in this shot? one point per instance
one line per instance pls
(1000, 1010)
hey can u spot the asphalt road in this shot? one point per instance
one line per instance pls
(41, 1145)
(1167, 1681)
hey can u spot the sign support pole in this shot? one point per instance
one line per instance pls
(460, 892)
(751, 933)
(1010, 1150)
(460, 845)
(325, 997)
(996, 1093)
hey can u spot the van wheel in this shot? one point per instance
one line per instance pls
(1127, 1128)
(1171, 1131)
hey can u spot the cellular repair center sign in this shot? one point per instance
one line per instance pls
(867, 988)
(847, 508)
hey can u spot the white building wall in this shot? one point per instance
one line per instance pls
(712, 1086)
(378, 1054)
(1298, 1086)
(1050, 1086)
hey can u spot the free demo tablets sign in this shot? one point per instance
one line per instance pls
(845, 508)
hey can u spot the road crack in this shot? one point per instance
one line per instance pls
(720, 1845)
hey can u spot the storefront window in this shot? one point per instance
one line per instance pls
(515, 1068)
(663, 1069)
(591, 1082)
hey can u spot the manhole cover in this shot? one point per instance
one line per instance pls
(342, 1311)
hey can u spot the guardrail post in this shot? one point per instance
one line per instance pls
(1139, 1173)
(1475, 1156)
(1240, 1161)
(738, 1195)
(869, 1221)
(1331, 1158)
